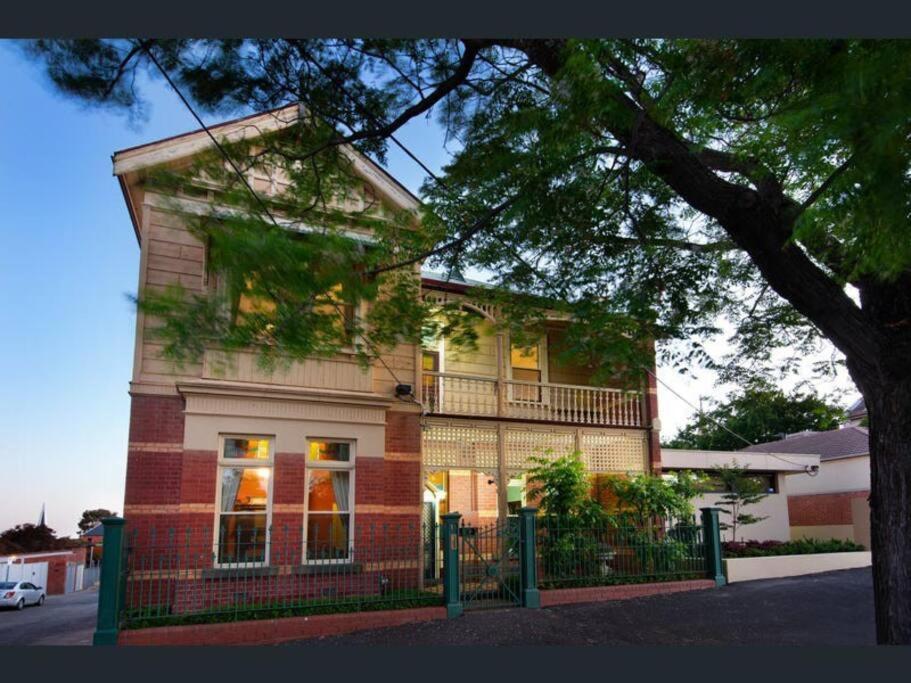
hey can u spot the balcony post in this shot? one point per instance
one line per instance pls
(501, 375)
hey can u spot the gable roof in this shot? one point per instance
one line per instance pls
(166, 150)
(858, 409)
(846, 442)
(97, 530)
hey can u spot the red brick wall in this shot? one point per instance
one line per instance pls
(822, 508)
(156, 419)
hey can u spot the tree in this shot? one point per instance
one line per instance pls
(563, 489)
(92, 517)
(646, 497)
(645, 187)
(741, 490)
(758, 412)
(28, 538)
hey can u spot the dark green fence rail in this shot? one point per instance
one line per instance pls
(184, 576)
(153, 576)
(570, 554)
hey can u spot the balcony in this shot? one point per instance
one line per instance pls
(453, 394)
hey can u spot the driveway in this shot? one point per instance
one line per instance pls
(63, 620)
(834, 608)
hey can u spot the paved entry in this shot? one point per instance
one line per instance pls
(489, 565)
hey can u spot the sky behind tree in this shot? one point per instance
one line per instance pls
(70, 258)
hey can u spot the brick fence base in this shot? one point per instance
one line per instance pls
(569, 596)
(267, 631)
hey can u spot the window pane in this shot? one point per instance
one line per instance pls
(244, 489)
(328, 491)
(525, 358)
(242, 538)
(327, 536)
(334, 451)
(247, 449)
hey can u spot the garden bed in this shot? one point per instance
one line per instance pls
(152, 617)
(806, 546)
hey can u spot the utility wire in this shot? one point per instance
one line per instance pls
(730, 431)
(146, 46)
(439, 181)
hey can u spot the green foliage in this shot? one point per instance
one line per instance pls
(92, 517)
(645, 497)
(160, 615)
(759, 412)
(805, 546)
(563, 487)
(30, 538)
(743, 490)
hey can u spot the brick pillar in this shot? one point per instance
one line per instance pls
(154, 460)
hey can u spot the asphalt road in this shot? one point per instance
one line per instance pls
(63, 620)
(834, 608)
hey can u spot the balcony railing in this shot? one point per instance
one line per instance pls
(478, 396)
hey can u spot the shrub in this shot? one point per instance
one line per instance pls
(806, 546)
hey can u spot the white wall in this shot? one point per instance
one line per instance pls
(845, 474)
(775, 527)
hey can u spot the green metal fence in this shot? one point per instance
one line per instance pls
(613, 551)
(153, 576)
(192, 575)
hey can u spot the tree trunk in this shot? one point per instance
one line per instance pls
(889, 408)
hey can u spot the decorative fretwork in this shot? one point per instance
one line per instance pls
(613, 450)
(523, 444)
(460, 446)
(473, 445)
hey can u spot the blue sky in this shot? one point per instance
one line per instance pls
(68, 260)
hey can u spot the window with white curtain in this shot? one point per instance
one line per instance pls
(329, 516)
(243, 500)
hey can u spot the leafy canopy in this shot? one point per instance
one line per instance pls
(644, 187)
(759, 412)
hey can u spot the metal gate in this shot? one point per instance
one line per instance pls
(489, 574)
(431, 543)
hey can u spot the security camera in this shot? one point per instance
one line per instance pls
(812, 470)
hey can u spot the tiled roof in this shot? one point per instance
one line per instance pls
(858, 408)
(837, 443)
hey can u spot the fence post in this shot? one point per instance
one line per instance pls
(452, 595)
(528, 568)
(109, 593)
(711, 536)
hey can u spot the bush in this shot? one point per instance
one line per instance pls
(806, 546)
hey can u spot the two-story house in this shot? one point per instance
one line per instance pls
(324, 446)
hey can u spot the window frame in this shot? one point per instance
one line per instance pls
(543, 361)
(331, 466)
(243, 463)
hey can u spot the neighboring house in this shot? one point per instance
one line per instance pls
(325, 446)
(857, 413)
(776, 470)
(94, 541)
(833, 503)
(58, 571)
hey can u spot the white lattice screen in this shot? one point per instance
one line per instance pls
(613, 451)
(473, 445)
(523, 444)
(460, 446)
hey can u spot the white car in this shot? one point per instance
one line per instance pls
(18, 594)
